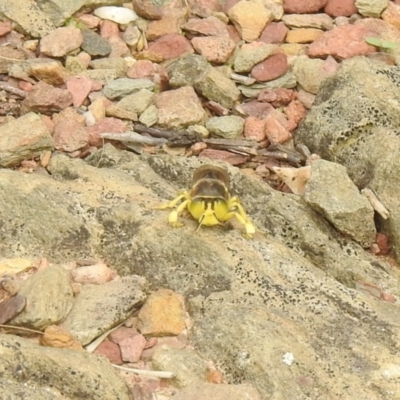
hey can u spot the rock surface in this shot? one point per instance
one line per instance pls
(72, 373)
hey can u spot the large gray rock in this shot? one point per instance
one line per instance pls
(331, 192)
(289, 290)
(31, 372)
(354, 121)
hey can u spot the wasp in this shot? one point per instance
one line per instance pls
(209, 201)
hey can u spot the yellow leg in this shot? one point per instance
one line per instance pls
(173, 203)
(173, 216)
(241, 216)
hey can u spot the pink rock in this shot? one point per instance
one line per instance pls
(79, 87)
(61, 41)
(210, 26)
(295, 112)
(5, 27)
(256, 109)
(170, 46)
(95, 274)
(111, 351)
(254, 128)
(275, 32)
(277, 97)
(118, 47)
(271, 68)
(205, 8)
(227, 156)
(229, 4)
(106, 125)
(49, 123)
(342, 42)
(108, 29)
(164, 26)
(46, 99)
(233, 33)
(69, 133)
(216, 49)
(122, 333)
(90, 21)
(132, 347)
(341, 8)
(275, 131)
(27, 86)
(303, 6)
(382, 241)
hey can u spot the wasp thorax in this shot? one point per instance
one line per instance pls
(211, 172)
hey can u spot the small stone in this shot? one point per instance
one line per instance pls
(5, 27)
(255, 108)
(162, 314)
(132, 348)
(392, 14)
(249, 18)
(98, 308)
(340, 8)
(179, 108)
(111, 351)
(137, 102)
(306, 98)
(49, 71)
(303, 6)
(382, 241)
(273, 67)
(108, 29)
(69, 132)
(47, 99)
(49, 298)
(122, 333)
(225, 156)
(59, 337)
(275, 131)
(254, 128)
(122, 87)
(90, 21)
(98, 109)
(164, 26)
(210, 26)
(118, 47)
(116, 63)
(95, 274)
(274, 33)
(251, 54)
(342, 42)
(316, 21)
(106, 125)
(149, 116)
(131, 35)
(216, 49)
(61, 41)
(295, 112)
(23, 138)
(368, 8)
(117, 112)
(147, 9)
(303, 35)
(79, 87)
(277, 97)
(169, 46)
(94, 44)
(228, 127)
(11, 307)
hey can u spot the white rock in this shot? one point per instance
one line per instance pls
(120, 15)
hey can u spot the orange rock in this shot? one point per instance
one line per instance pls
(303, 35)
(254, 128)
(56, 336)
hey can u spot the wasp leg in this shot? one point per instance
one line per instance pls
(173, 203)
(241, 216)
(173, 216)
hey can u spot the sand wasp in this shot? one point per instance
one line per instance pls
(209, 201)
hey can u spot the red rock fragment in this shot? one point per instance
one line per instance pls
(275, 131)
(217, 49)
(254, 128)
(79, 87)
(342, 42)
(341, 8)
(111, 351)
(106, 125)
(275, 32)
(231, 158)
(108, 29)
(271, 68)
(303, 6)
(5, 28)
(132, 348)
(382, 241)
(122, 333)
(295, 112)
(277, 97)
(256, 109)
(170, 46)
